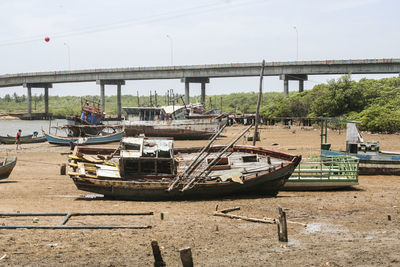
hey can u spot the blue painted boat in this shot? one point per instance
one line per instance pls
(101, 139)
(372, 160)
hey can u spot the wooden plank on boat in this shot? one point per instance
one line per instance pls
(92, 159)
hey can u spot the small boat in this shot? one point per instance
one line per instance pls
(324, 173)
(101, 139)
(175, 121)
(25, 139)
(372, 160)
(6, 166)
(152, 169)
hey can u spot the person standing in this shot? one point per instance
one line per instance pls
(18, 139)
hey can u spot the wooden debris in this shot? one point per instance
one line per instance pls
(229, 210)
(186, 257)
(63, 169)
(282, 226)
(265, 220)
(158, 260)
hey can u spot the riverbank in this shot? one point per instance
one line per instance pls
(344, 228)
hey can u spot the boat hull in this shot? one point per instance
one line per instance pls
(23, 140)
(178, 129)
(371, 164)
(7, 166)
(60, 140)
(268, 184)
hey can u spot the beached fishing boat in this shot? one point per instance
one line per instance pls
(152, 169)
(91, 114)
(6, 166)
(100, 139)
(323, 173)
(372, 160)
(26, 139)
(171, 121)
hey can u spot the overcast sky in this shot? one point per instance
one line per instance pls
(129, 33)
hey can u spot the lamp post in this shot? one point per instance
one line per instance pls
(172, 50)
(297, 43)
(69, 56)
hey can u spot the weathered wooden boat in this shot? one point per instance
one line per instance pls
(101, 139)
(26, 139)
(324, 173)
(372, 160)
(91, 114)
(152, 169)
(6, 166)
(170, 121)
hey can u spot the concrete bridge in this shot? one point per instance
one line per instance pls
(295, 70)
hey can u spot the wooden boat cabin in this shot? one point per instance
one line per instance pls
(145, 157)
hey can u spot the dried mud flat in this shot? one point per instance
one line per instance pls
(344, 228)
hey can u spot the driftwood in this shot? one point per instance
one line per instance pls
(223, 213)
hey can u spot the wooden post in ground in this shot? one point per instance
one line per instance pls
(186, 257)
(282, 226)
(158, 260)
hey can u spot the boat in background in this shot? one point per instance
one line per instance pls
(372, 160)
(25, 139)
(6, 166)
(100, 139)
(324, 173)
(152, 169)
(178, 122)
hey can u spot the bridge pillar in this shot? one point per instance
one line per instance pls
(187, 97)
(46, 100)
(46, 87)
(29, 96)
(293, 77)
(203, 94)
(102, 93)
(202, 80)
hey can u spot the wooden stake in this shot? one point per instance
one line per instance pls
(282, 226)
(229, 210)
(158, 260)
(186, 257)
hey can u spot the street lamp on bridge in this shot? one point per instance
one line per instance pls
(297, 43)
(172, 50)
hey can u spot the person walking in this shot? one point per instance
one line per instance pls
(18, 139)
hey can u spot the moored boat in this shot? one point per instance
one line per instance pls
(171, 121)
(152, 169)
(100, 139)
(6, 166)
(372, 160)
(26, 139)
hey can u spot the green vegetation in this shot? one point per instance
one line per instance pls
(376, 103)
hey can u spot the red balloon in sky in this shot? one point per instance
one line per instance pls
(47, 39)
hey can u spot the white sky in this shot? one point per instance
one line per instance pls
(128, 33)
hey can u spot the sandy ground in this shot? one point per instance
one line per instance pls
(344, 228)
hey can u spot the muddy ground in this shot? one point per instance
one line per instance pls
(344, 228)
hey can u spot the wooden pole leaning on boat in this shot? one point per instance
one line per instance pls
(193, 164)
(258, 104)
(206, 171)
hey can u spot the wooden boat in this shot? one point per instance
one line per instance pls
(91, 114)
(324, 173)
(6, 166)
(372, 160)
(26, 139)
(171, 121)
(102, 139)
(151, 169)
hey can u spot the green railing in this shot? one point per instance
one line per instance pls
(327, 168)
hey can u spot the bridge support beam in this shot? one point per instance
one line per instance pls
(293, 77)
(29, 99)
(46, 87)
(103, 83)
(202, 80)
